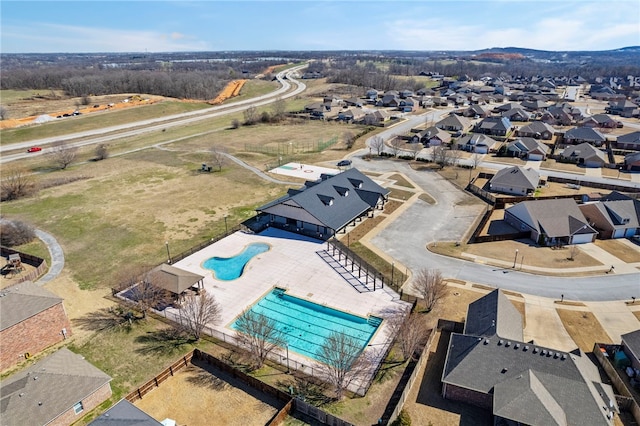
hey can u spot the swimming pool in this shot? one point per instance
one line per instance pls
(306, 325)
(230, 268)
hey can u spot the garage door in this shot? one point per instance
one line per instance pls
(582, 238)
(630, 232)
(535, 157)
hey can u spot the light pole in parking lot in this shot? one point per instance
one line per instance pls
(166, 243)
(515, 259)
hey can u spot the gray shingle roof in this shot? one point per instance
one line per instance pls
(50, 387)
(493, 315)
(585, 151)
(632, 342)
(536, 127)
(586, 134)
(530, 383)
(125, 413)
(516, 177)
(633, 137)
(555, 218)
(332, 202)
(23, 301)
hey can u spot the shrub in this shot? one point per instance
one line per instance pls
(403, 419)
(16, 233)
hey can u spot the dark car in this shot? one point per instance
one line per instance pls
(34, 149)
(344, 163)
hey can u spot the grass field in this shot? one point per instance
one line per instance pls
(584, 328)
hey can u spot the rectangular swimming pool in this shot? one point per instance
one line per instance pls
(306, 325)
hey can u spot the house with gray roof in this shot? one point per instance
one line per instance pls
(453, 122)
(477, 142)
(125, 413)
(632, 162)
(584, 134)
(432, 136)
(601, 121)
(622, 107)
(529, 148)
(631, 346)
(517, 114)
(475, 111)
(515, 180)
(536, 129)
(629, 141)
(57, 390)
(494, 126)
(613, 218)
(32, 319)
(551, 222)
(584, 154)
(489, 365)
(324, 207)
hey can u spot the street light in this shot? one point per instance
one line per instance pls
(166, 243)
(515, 259)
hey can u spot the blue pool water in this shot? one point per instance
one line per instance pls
(306, 325)
(230, 268)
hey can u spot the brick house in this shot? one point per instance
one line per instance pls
(32, 319)
(57, 390)
(522, 383)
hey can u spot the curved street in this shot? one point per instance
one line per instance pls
(405, 240)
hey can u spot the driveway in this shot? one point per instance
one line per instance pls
(544, 326)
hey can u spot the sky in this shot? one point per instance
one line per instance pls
(170, 26)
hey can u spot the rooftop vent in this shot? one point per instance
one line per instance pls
(516, 346)
(550, 353)
(507, 344)
(526, 348)
(555, 355)
(500, 342)
(486, 341)
(535, 350)
(504, 370)
(563, 357)
(544, 352)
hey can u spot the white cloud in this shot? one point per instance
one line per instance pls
(44, 38)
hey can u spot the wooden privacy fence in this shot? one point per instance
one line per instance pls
(37, 262)
(164, 375)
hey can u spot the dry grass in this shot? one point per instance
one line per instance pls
(427, 198)
(227, 400)
(584, 328)
(619, 250)
(637, 314)
(401, 181)
(400, 194)
(568, 303)
(551, 164)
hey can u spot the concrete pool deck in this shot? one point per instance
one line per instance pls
(292, 263)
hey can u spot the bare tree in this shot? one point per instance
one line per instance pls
(574, 251)
(278, 109)
(476, 159)
(415, 149)
(430, 286)
(4, 112)
(218, 158)
(15, 233)
(453, 156)
(441, 155)
(250, 116)
(259, 334)
(197, 311)
(148, 294)
(16, 182)
(349, 139)
(395, 143)
(235, 123)
(101, 152)
(412, 335)
(63, 155)
(377, 143)
(341, 361)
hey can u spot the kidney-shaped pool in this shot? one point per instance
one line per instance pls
(230, 268)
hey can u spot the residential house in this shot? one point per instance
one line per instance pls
(371, 94)
(517, 114)
(613, 218)
(584, 134)
(536, 129)
(351, 115)
(494, 126)
(325, 207)
(32, 319)
(629, 141)
(505, 107)
(584, 154)
(354, 102)
(600, 121)
(406, 105)
(490, 365)
(406, 93)
(432, 137)
(57, 390)
(454, 122)
(377, 117)
(631, 347)
(533, 105)
(622, 108)
(125, 413)
(477, 142)
(528, 148)
(515, 181)
(632, 162)
(551, 222)
(475, 111)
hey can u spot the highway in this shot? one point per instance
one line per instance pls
(137, 128)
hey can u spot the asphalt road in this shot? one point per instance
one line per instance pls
(405, 239)
(107, 134)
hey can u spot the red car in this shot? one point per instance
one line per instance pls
(34, 149)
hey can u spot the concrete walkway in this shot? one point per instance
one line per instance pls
(543, 324)
(619, 266)
(57, 257)
(593, 171)
(615, 317)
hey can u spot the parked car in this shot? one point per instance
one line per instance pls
(34, 149)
